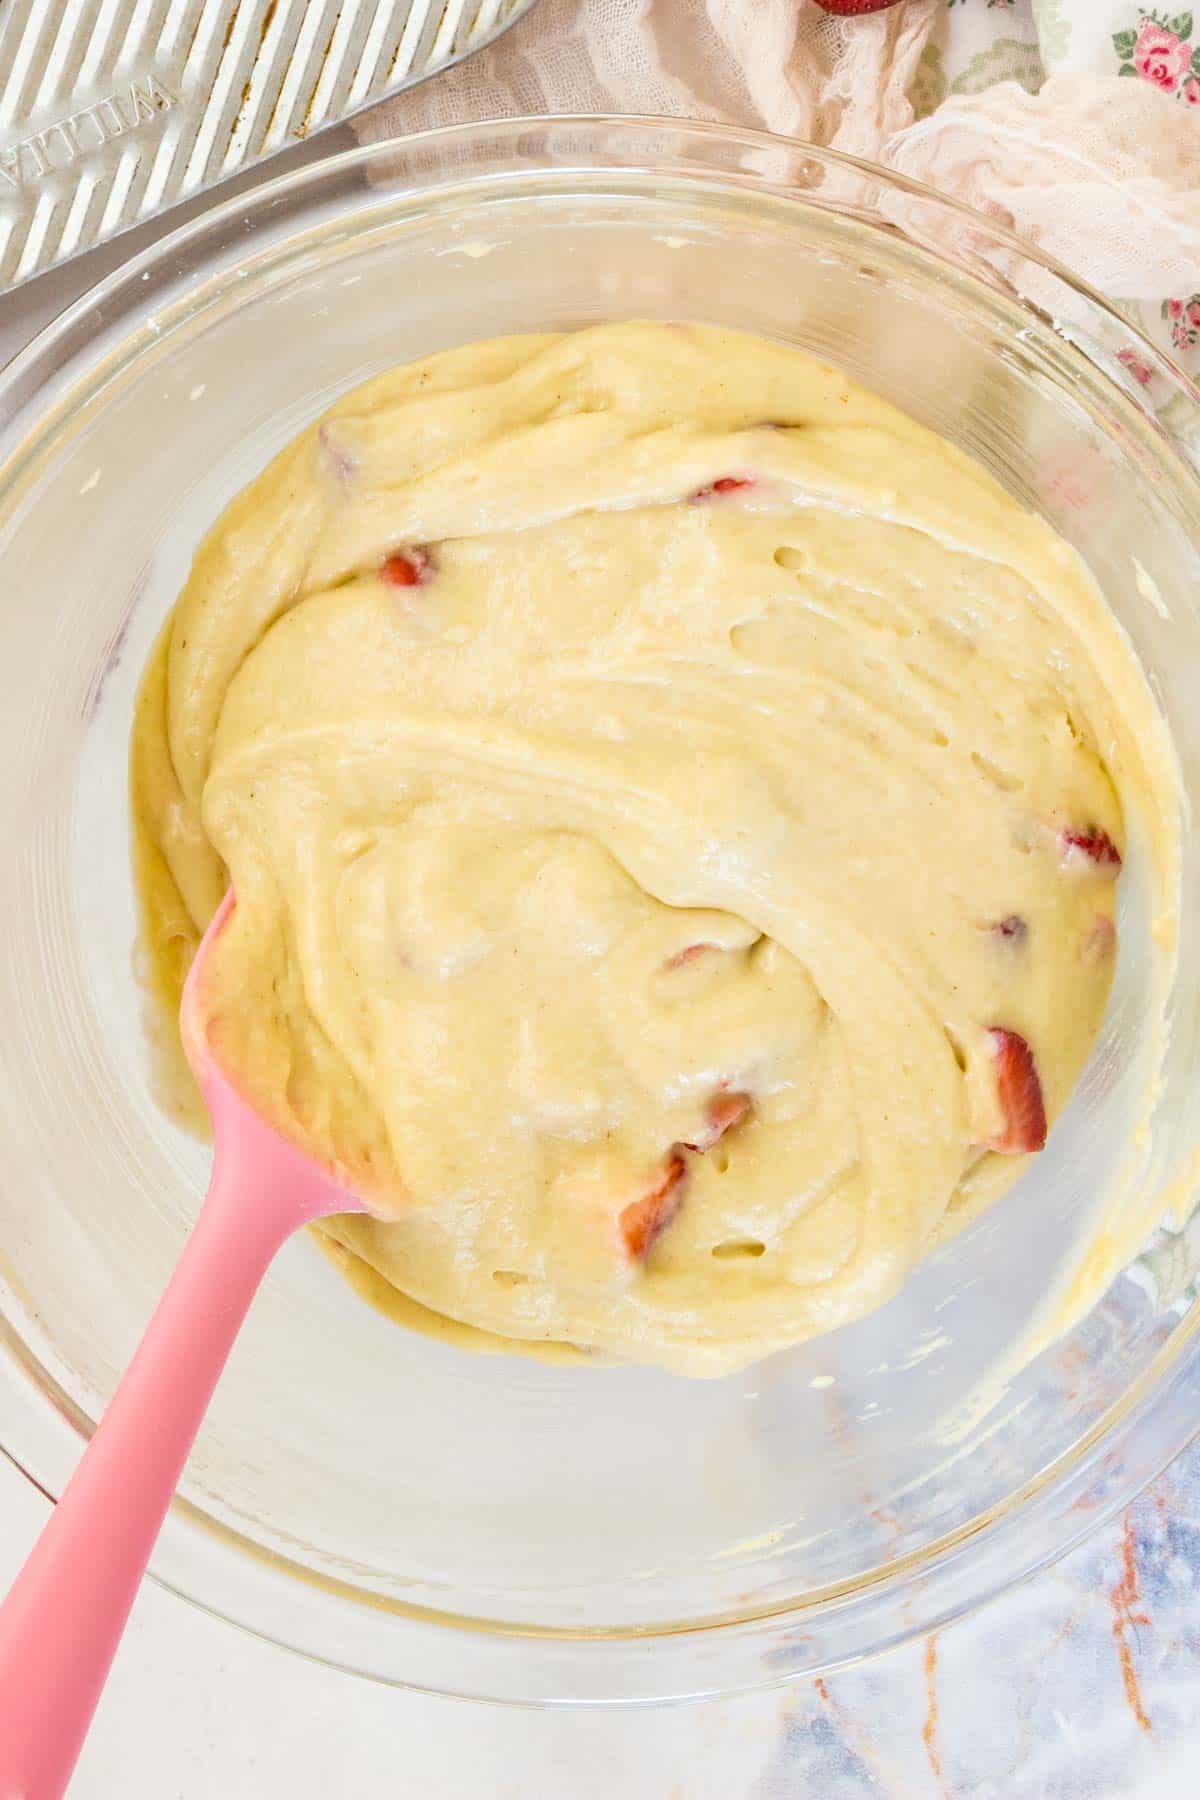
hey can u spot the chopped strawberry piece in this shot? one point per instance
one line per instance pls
(408, 568)
(723, 1112)
(1093, 845)
(1014, 929)
(1100, 939)
(854, 9)
(725, 484)
(1019, 1092)
(643, 1221)
(688, 954)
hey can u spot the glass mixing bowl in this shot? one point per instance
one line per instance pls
(488, 1525)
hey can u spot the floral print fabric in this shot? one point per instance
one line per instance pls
(1160, 49)
(975, 44)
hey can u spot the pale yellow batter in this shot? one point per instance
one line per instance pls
(675, 805)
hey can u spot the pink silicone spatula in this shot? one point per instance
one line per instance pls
(63, 1618)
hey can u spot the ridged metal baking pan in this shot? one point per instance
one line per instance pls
(111, 110)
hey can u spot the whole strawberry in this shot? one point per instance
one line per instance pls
(851, 9)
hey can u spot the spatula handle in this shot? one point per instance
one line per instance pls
(63, 1618)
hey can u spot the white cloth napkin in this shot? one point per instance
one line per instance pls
(1077, 122)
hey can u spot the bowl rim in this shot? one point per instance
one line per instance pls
(1084, 1474)
(145, 262)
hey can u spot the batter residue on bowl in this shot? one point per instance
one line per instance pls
(675, 804)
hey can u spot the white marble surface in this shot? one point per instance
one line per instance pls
(1083, 1685)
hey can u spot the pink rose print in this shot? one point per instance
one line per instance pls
(1183, 320)
(1137, 366)
(1159, 56)
(1162, 48)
